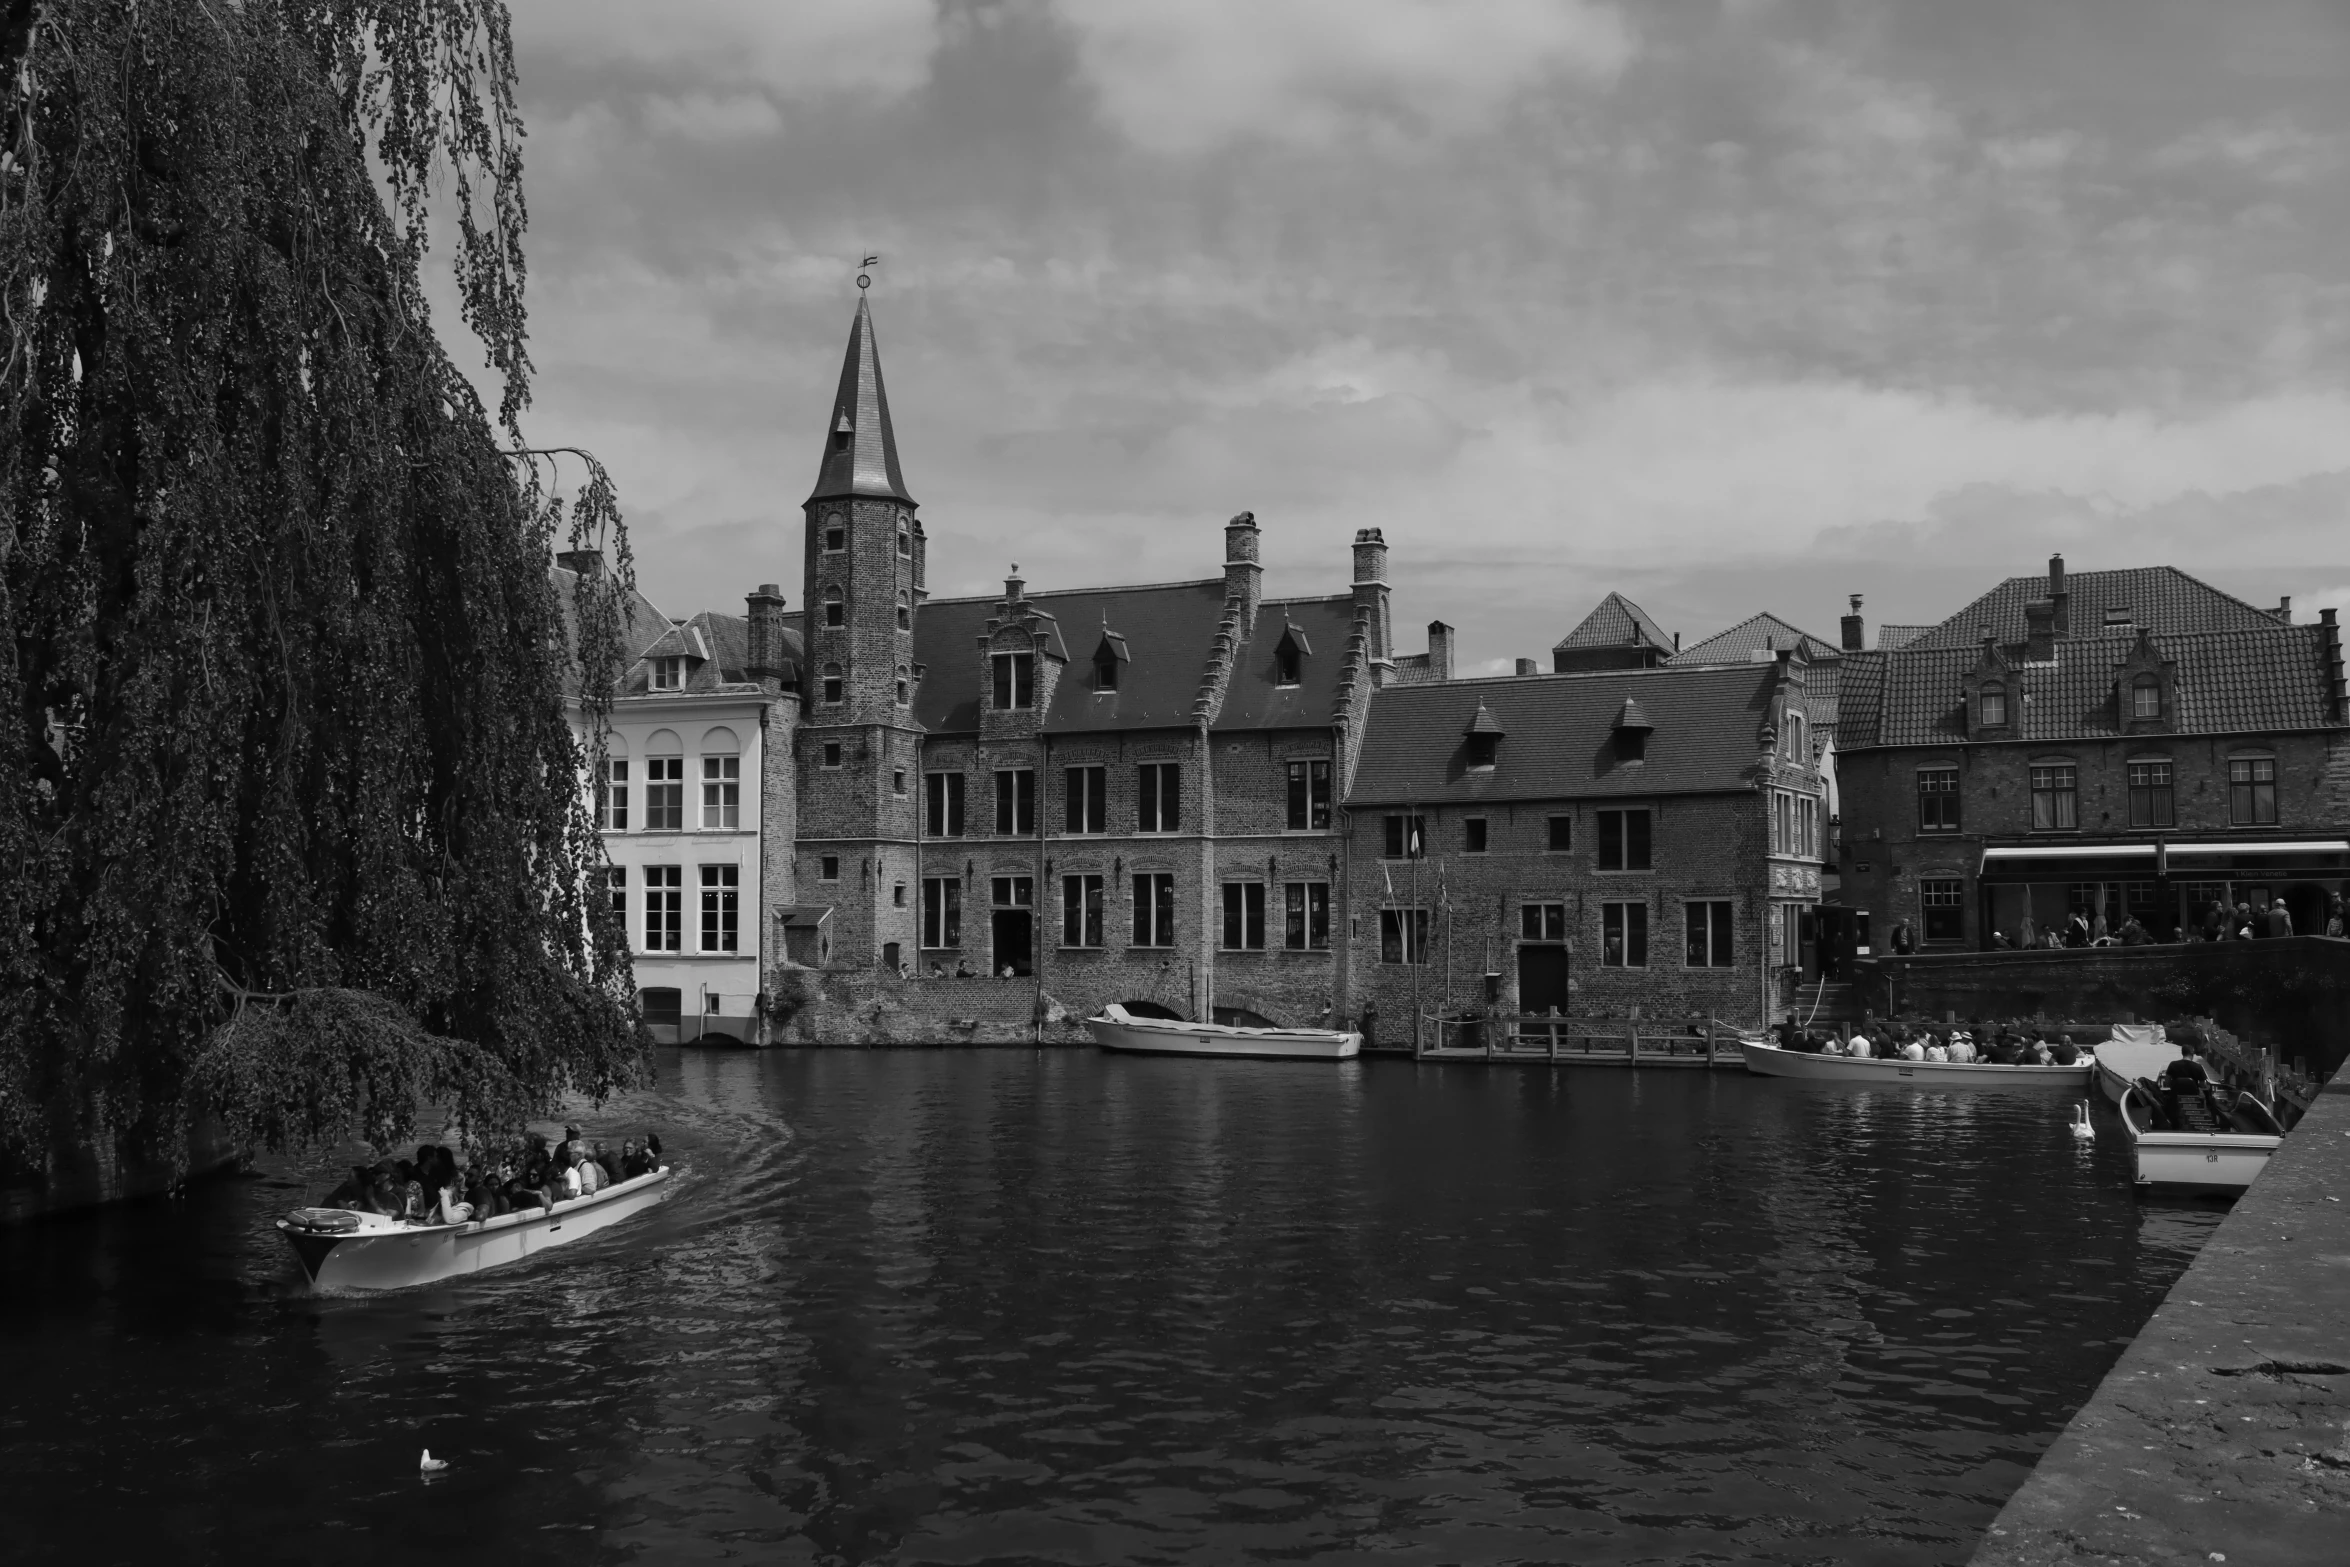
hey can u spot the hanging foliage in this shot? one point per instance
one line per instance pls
(291, 825)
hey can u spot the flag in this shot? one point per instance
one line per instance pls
(870, 261)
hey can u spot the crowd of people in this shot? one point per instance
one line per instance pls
(1992, 1043)
(433, 1188)
(2215, 920)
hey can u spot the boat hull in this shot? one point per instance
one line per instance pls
(1769, 1060)
(1116, 1030)
(385, 1255)
(2202, 1163)
(2119, 1064)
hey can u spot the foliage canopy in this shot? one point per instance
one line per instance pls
(291, 825)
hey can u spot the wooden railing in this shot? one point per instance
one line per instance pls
(1550, 1037)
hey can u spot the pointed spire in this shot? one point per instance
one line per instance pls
(860, 448)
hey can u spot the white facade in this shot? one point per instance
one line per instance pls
(680, 814)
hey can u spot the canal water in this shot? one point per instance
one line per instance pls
(1010, 1306)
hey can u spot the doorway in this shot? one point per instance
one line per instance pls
(1015, 936)
(1542, 979)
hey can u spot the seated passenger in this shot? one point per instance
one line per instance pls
(1962, 1049)
(632, 1160)
(610, 1165)
(2042, 1054)
(1858, 1045)
(653, 1149)
(351, 1193)
(566, 1175)
(1913, 1051)
(591, 1176)
(1937, 1051)
(2067, 1053)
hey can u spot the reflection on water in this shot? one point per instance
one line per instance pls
(1009, 1306)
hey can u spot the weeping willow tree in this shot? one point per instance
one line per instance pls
(291, 827)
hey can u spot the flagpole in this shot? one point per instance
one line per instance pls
(1411, 920)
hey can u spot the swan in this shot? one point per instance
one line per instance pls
(2081, 1127)
(431, 1465)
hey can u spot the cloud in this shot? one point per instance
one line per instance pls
(1183, 78)
(801, 50)
(712, 117)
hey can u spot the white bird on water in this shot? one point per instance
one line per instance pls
(431, 1465)
(2081, 1127)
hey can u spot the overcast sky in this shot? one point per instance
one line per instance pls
(1728, 304)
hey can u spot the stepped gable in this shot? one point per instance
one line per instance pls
(1613, 621)
(2163, 599)
(2225, 682)
(1764, 633)
(1559, 736)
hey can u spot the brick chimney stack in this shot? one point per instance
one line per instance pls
(1527, 666)
(1439, 650)
(2040, 631)
(767, 655)
(2057, 596)
(1852, 628)
(588, 563)
(1244, 578)
(1370, 587)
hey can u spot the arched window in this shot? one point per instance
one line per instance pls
(836, 537)
(722, 780)
(903, 686)
(905, 613)
(2146, 697)
(905, 542)
(664, 782)
(836, 611)
(832, 685)
(612, 788)
(1994, 706)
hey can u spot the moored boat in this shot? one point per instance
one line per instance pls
(1118, 1029)
(344, 1250)
(1771, 1060)
(2221, 1160)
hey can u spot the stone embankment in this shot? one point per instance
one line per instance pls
(2223, 1434)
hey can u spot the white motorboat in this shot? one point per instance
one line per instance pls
(1770, 1060)
(344, 1250)
(1117, 1029)
(2134, 1052)
(2222, 1160)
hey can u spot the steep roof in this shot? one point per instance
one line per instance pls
(2226, 682)
(1890, 636)
(2164, 599)
(1755, 634)
(720, 647)
(860, 445)
(1559, 736)
(1616, 619)
(1254, 701)
(642, 624)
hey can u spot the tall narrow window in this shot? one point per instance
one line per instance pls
(1706, 933)
(1624, 841)
(2146, 697)
(1015, 681)
(942, 800)
(1309, 796)
(720, 883)
(617, 880)
(836, 609)
(665, 794)
(1154, 909)
(1288, 663)
(1158, 797)
(1943, 901)
(1993, 706)
(1937, 799)
(1015, 801)
(1561, 830)
(836, 537)
(2252, 790)
(2055, 801)
(2150, 794)
(664, 908)
(1406, 837)
(832, 683)
(905, 543)
(1081, 911)
(905, 613)
(1472, 835)
(1623, 935)
(1244, 916)
(722, 792)
(612, 796)
(1105, 670)
(905, 689)
(942, 911)
(1087, 799)
(1305, 923)
(1403, 935)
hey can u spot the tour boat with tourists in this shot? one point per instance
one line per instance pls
(343, 1249)
(1118, 1029)
(1771, 1060)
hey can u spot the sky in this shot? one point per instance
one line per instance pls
(1730, 305)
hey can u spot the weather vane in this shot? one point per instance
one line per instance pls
(865, 279)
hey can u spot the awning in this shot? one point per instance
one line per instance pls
(2071, 851)
(2268, 846)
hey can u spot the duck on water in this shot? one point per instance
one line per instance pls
(425, 1220)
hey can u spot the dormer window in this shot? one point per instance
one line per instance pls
(1015, 681)
(836, 609)
(1105, 671)
(669, 674)
(842, 432)
(2146, 697)
(1289, 657)
(1484, 738)
(1992, 706)
(1632, 729)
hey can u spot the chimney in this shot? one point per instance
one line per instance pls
(1371, 599)
(2285, 609)
(767, 655)
(1439, 650)
(2040, 631)
(1527, 666)
(1015, 587)
(588, 563)
(2329, 636)
(1244, 578)
(1852, 628)
(2063, 618)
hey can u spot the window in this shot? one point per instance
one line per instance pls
(1105, 670)
(663, 1004)
(1623, 841)
(1472, 835)
(2252, 790)
(1012, 892)
(1086, 796)
(828, 868)
(1945, 908)
(664, 908)
(832, 685)
(1015, 801)
(1542, 921)
(1782, 822)
(942, 805)
(719, 886)
(1158, 797)
(1807, 826)
(665, 794)
(905, 609)
(668, 674)
(832, 753)
(617, 879)
(836, 537)
(1309, 796)
(1154, 909)
(612, 798)
(1287, 662)
(836, 609)
(2150, 794)
(1623, 935)
(722, 792)
(897, 895)
(1403, 935)
(1244, 916)
(1706, 928)
(1407, 837)
(1562, 834)
(2055, 803)
(1993, 706)
(897, 782)
(904, 688)
(1015, 681)
(2146, 697)
(905, 543)
(1937, 799)
(1796, 742)
(942, 911)
(1081, 911)
(1306, 917)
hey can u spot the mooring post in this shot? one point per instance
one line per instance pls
(1709, 1041)
(1632, 1039)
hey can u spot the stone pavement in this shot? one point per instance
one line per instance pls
(2223, 1434)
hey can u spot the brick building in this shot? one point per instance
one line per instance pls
(2129, 742)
